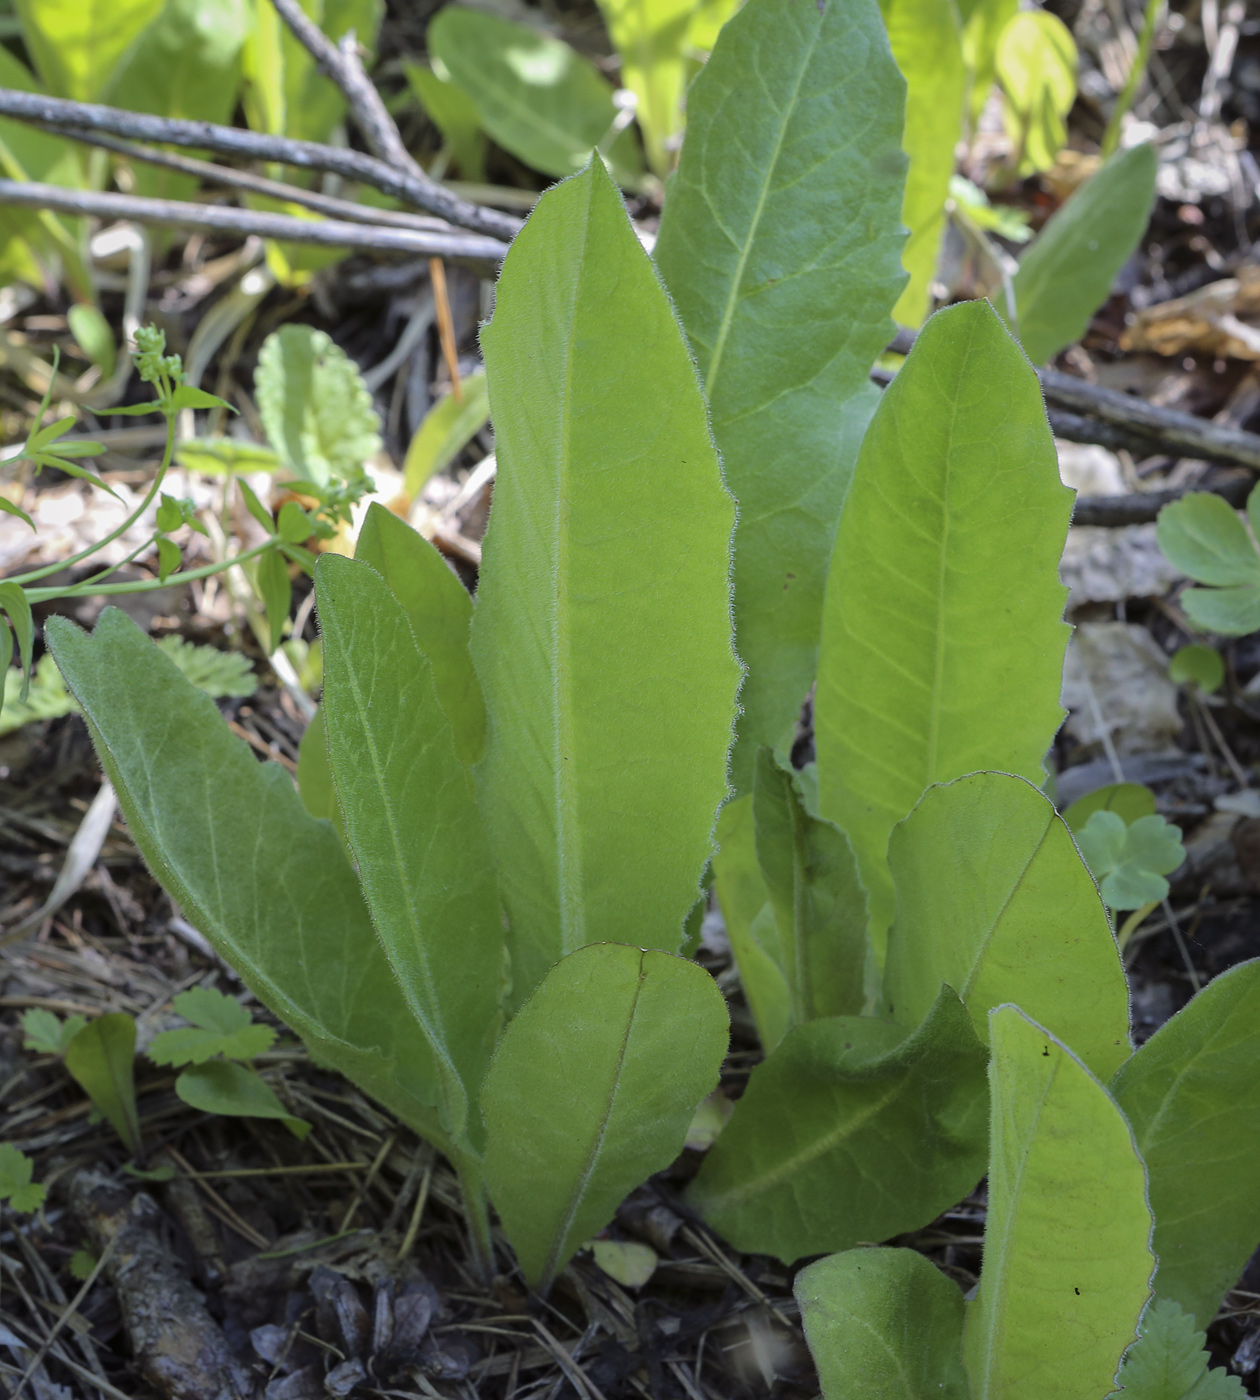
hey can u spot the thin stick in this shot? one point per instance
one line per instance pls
(417, 1215)
(446, 325)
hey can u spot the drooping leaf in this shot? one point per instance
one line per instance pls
(650, 37)
(993, 899)
(943, 640)
(16, 1186)
(220, 1026)
(48, 1034)
(1202, 535)
(780, 245)
(1128, 800)
(448, 427)
(591, 1091)
(77, 45)
(1069, 270)
(1169, 1361)
(1192, 1094)
(601, 634)
(1036, 65)
(851, 1130)
(1056, 1306)
(314, 405)
(222, 1086)
(412, 824)
(1198, 666)
(454, 114)
(101, 1060)
(818, 901)
(300, 938)
(440, 613)
(883, 1324)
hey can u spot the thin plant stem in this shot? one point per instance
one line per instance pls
(476, 1209)
(1111, 138)
(114, 590)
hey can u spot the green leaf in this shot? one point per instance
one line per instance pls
(8, 508)
(883, 1324)
(16, 604)
(276, 592)
(16, 1187)
(535, 94)
(216, 672)
(47, 1034)
(168, 558)
(1204, 537)
(926, 40)
(626, 1261)
(1130, 861)
(943, 639)
(314, 776)
(216, 456)
(983, 22)
(1198, 666)
(1069, 271)
(786, 306)
(186, 396)
(454, 114)
(851, 1130)
(819, 903)
(1128, 800)
(220, 1026)
(1192, 1094)
(440, 613)
(1036, 65)
(101, 1060)
(300, 938)
(650, 37)
(293, 524)
(993, 899)
(94, 336)
(412, 825)
(1169, 1361)
(592, 1089)
(255, 506)
(448, 427)
(315, 408)
(236, 1091)
(1067, 1261)
(602, 633)
(76, 46)
(972, 206)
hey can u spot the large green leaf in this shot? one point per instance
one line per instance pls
(993, 899)
(77, 45)
(1068, 272)
(1169, 1361)
(602, 632)
(592, 1089)
(1067, 1259)
(943, 639)
(851, 1130)
(780, 244)
(883, 1324)
(1192, 1094)
(412, 824)
(926, 40)
(268, 885)
(818, 901)
(440, 613)
(651, 37)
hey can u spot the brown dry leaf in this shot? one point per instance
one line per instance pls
(1215, 320)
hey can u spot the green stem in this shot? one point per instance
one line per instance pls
(1111, 138)
(111, 590)
(476, 1210)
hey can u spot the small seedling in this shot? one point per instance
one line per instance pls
(16, 1186)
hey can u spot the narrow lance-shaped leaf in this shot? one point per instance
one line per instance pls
(780, 244)
(412, 824)
(101, 1060)
(1192, 1094)
(292, 921)
(1067, 1259)
(592, 1089)
(943, 639)
(993, 898)
(602, 632)
(883, 1324)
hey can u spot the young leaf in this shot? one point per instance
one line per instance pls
(883, 1324)
(276, 591)
(1129, 861)
(650, 37)
(447, 428)
(47, 1034)
(786, 305)
(440, 613)
(300, 938)
(1192, 1094)
(220, 1026)
(236, 1091)
(592, 1089)
(1067, 1259)
(1036, 65)
(168, 558)
(1068, 272)
(943, 639)
(1169, 1361)
(1127, 800)
(993, 899)
(1202, 535)
(818, 902)
(101, 1060)
(76, 48)
(216, 672)
(412, 825)
(602, 633)
(8, 508)
(255, 506)
(14, 602)
(851, 1130)
(454, 114)
(1198, 666)
(16, 1186)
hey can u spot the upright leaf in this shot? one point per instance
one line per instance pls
(440, 613)
(291, 920)
(883, 1324)
(1067, 1259)
(412, 825)
(454, 114)
(448, 427)
(1192, 1094)
(943, 639)
(1036, 65)
(651, 38)
(993, 899)
(101, 1059)
(77, 45)
(592, 1089)
(1169, 1361)
(602, 632)
(851, 1130)
(780, 245)
(1068, 272)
